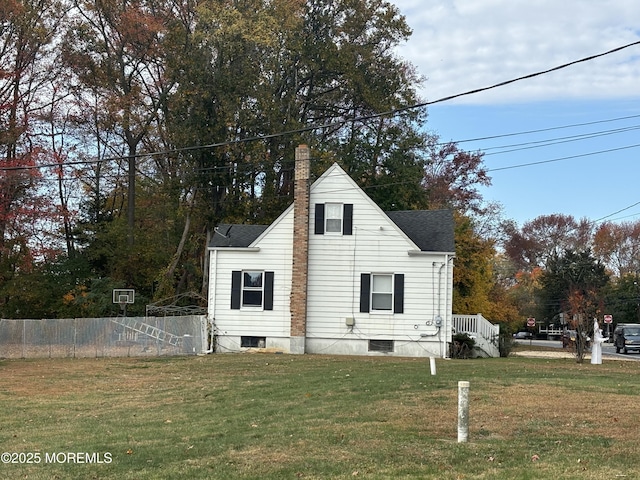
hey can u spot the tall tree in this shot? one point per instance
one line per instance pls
(258, 69)
(27, 30)
(28, 216)
(348, 74)
(116, 50)
(473, 273)
(617, 245)
(452, 177)
(573, 283)
(544, 237)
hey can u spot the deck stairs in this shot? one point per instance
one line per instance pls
(485, 334)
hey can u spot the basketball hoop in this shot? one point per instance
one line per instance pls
(123, 297)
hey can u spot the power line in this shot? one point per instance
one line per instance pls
(541, 130)
(615, 213)
(525, 146)
(556, 141)
(510, 167)
(338, 123)
(533, 75)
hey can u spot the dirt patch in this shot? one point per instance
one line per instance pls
(561, 354)
(59, 377)
(16, 351)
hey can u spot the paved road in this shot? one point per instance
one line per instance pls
(607, 348)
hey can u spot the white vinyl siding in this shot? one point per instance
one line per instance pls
(373, 245)
(376, 245)
(275, 255)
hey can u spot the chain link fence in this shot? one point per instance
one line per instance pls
(103, 337)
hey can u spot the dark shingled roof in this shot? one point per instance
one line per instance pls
(236, 235)
(430, 230)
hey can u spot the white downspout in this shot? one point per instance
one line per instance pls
(211, 313)
(447, 295)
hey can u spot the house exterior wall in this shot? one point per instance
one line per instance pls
(336, 261)
(376, 245)
(274, 254)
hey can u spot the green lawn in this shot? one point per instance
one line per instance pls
(268, 416)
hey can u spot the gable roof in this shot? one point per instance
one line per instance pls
(236, 235)
(430, 230)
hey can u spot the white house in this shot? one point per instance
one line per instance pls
(334, 274)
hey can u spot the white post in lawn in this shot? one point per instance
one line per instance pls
(432, 363)
(463, 412)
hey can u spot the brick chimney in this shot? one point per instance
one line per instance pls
(298, 304)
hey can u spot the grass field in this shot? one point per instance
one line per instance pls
(268, 416)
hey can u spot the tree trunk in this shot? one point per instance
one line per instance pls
(176, 258)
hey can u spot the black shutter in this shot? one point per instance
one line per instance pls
(236, 287)
(347, 222)
(365, 291)
(398, 293)
(268, 290)
(319, 230)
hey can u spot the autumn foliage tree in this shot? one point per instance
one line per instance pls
(116, 51)
(155, 120)
(452, 177)
(573, 283)
(617, 245)
(27, 29)
(544, 237)
(477, 283)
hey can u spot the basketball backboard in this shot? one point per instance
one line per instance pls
(123, 295)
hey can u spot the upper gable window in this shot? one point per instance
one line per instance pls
(333, 218)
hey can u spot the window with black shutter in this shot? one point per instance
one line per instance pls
(382, 292)
(251, 289)
(333, 219)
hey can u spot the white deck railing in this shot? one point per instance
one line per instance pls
(483, 331)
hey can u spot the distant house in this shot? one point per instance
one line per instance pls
(334, 274)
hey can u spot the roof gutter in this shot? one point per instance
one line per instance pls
(416, 253)
(235, 249)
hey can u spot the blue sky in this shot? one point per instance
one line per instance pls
(468, 44)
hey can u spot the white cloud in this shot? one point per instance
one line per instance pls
(468, 44)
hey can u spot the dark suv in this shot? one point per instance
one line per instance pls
(626, 337)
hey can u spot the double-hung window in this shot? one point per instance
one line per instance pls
(251, 289)
(333, 219)
(382, 293)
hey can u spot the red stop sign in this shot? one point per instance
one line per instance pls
(531, 322)
(608, 318)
